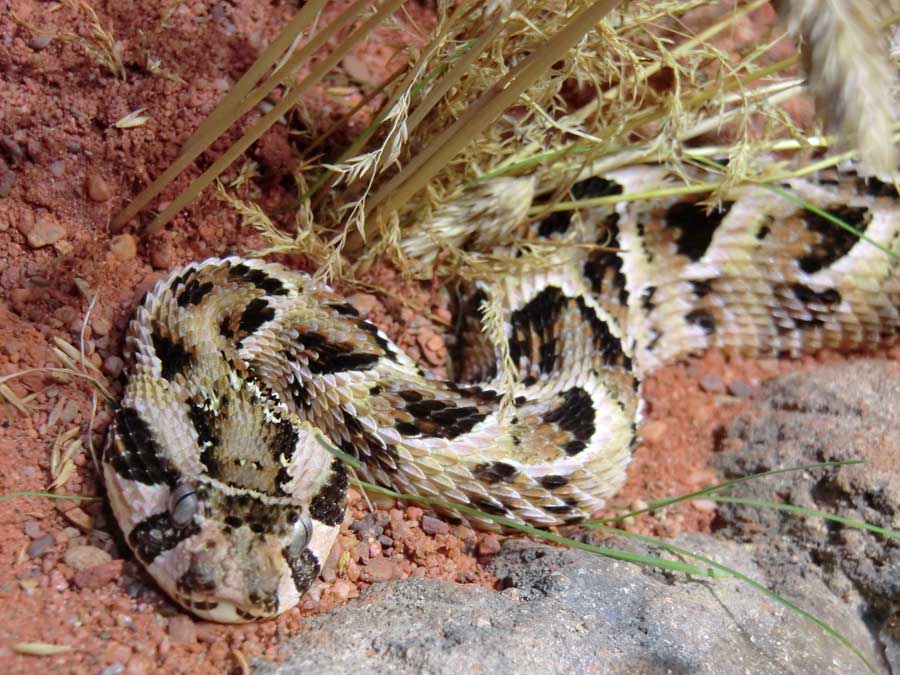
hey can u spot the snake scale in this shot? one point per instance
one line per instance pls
(238, 370)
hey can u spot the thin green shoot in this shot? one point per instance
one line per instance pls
(705, 493)
(49, 495)
(810, 513)
(626, 556)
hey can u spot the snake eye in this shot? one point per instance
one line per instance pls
(183, 504)
(300, 534)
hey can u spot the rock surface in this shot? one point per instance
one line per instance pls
(843, 412)
(572, 611)
(833, 413)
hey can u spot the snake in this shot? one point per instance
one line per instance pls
(243, 375)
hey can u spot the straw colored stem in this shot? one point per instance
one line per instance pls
(480, 114)
(222, 116)
(280, 108)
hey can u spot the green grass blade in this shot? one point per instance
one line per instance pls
(48, 495)
(812, 208)
(803, 511)
(544, 534)
(712, 489)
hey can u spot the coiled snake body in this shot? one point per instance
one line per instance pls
(238, 372)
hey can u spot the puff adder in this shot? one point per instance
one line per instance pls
(237, 369)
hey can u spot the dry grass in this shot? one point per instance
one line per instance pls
(491, 96)
(521, 98)
(89, 35)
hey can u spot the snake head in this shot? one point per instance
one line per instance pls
(223, 548)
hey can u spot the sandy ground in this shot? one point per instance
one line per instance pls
(65, 170)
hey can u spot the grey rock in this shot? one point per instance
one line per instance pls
(839, 412)
(889, 635)
(712, 384)
(568, 611)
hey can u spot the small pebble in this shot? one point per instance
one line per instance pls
(432, 525)
(741, 389)
(66, 314)
(712, 384)
(12, 149)
(82, 557)
(48, 563)
(113, 669)
(70, 411)
(116, 652)
(33, 529)
(58, 581)
(207, 632)
(435, 343)
(707, 505)
(342, 589)
(123, 247)
(34, 149)
(356, 68)
(20, 298)
(399, 528)
(424, 337)
(57, 168)
(463, 533)
(162, 257)
(100, 325)
(97, 188)
(25, 221)
(99, 575)
(653, 431)
(433, 358)
(80, 519)
(7, 181)
(112, 366)
(47, 230)
(39, 546)
(489, 545)
(380, 569)
(182, 629)
(381, 501)
(362, 550)
(67, 533)
(139, 664)
(366, 526)
(39, 42)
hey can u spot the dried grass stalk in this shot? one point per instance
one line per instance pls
(846, 57)
(487, 215)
